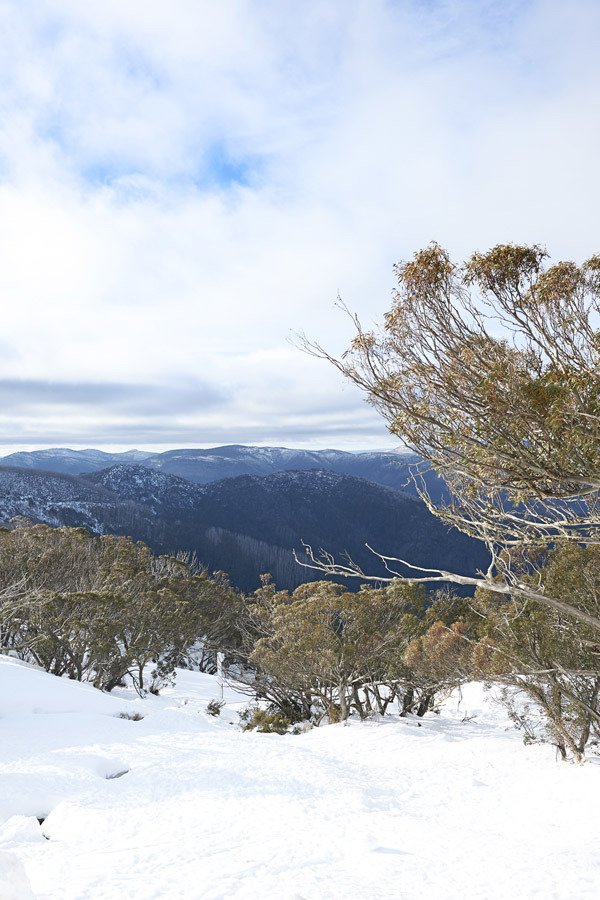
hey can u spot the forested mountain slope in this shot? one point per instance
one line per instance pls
(61, 499)
(247, 525)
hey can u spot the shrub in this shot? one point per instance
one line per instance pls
(214, 707)
(264, 721)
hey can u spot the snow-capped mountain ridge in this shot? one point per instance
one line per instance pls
(202, 466)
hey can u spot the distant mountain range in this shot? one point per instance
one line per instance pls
(245, 525)
(72, 462)
(389, 468)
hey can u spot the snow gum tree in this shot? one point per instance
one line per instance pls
(439, 660)
(490, 372)
(340, 652)
(543, 655)
(101, 608)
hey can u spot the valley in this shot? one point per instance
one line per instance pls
(245, 524)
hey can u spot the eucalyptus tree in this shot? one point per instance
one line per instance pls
(490, 372)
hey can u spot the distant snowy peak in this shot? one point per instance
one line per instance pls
(147, 486)
(226, 462)
(74, 462)
(388, 468)
(123, 474)
(307, 480)
(151, 487)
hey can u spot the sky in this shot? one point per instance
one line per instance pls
(185, 186)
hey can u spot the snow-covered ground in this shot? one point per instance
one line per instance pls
(185, 805)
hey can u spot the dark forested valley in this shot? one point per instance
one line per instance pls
(248, 524)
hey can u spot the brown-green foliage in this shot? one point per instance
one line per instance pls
(326, 651)
(489, 371)
(265, 722)
(439, 660)
(490, 368)
(544, 655)
(100, 608)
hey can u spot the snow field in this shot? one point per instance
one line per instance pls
(436, 809)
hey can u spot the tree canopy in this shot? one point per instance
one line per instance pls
(100, 608)
(490, 371)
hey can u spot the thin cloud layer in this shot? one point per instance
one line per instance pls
(182, 186)
(31, 395)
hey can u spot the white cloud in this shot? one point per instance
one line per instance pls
(182, 185)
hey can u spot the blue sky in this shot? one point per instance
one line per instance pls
(185, 185)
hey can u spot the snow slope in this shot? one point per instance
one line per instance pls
(184, 805)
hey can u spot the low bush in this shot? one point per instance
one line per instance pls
(214, 707)
(266, 722)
